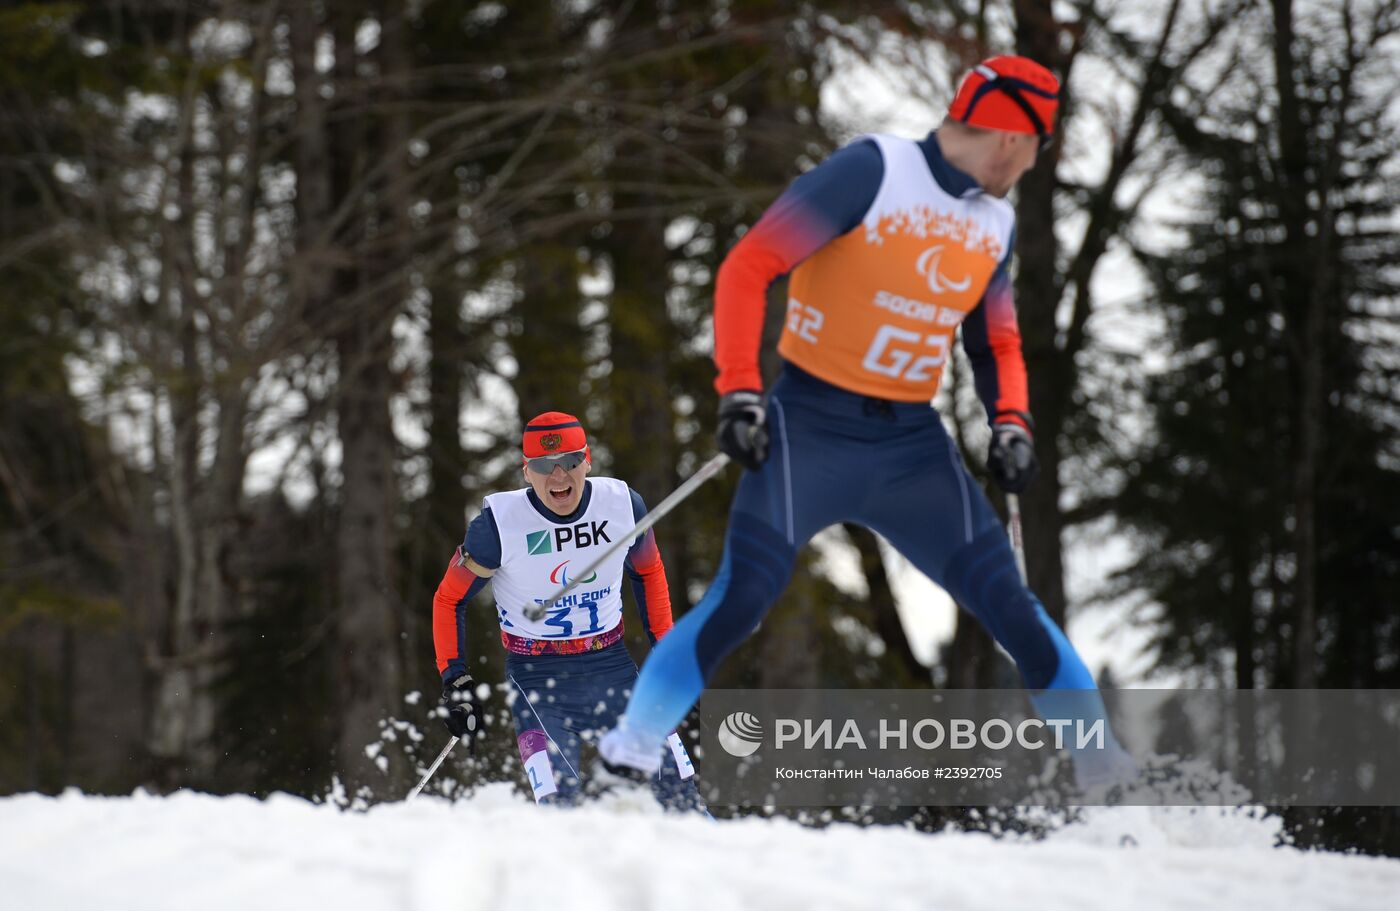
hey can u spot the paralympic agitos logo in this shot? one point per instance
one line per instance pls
(939, 283)
(560, 576)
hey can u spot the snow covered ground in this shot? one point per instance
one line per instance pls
(494, 851)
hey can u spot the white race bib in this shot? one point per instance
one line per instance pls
(541, 555)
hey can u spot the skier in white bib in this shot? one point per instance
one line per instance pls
(569, 673)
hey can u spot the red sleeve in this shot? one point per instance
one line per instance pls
(992, 341)
(1005, 337)
(451, 592)
(655, 596)
(741, 298)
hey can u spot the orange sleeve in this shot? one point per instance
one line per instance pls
(453, 592)
(817, 208)
(653, 594)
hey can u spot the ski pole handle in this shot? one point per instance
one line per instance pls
(433, 768)
(703, 474)
(1013, 531)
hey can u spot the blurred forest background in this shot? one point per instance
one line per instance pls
(279, 281)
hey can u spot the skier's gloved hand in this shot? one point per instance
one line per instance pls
(463, 712)
(741, 432)
(1012, 460)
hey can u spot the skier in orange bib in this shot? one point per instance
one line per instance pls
(892, 245)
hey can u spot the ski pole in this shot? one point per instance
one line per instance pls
(433, 768)
(1013, 531)
(705, 472)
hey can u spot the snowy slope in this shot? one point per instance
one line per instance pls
(494, 851)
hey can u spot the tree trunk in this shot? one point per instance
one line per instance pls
(447, 462)
(369, 627)
(1050, 370)
(204, 507)
(642, 343)
(1306, 322)
(548, 350)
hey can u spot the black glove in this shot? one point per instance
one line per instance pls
(1011, 459)
(463, 713)
(741, 433)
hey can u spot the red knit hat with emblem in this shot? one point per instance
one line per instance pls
(1014, 94)
(551, 433)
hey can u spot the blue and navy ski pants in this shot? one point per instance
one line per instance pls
(561, 700)
(836, 456)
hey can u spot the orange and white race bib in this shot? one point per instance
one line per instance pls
(876, 310)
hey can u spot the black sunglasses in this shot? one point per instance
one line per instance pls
(565, 460)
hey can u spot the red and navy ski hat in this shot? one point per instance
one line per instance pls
(551, 433)
(1014, 94)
